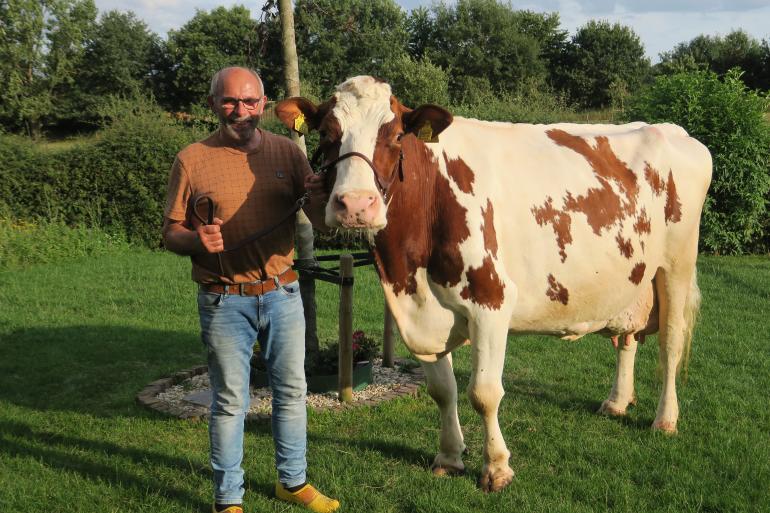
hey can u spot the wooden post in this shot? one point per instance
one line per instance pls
(387, 339)
(346, 329)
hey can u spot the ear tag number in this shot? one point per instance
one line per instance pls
(425, 133)
(300, 126)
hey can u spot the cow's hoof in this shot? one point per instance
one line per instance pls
(615, 408)
(612, 409)
(494, 481)
(666, 427)
(447, 466)
(442, 471)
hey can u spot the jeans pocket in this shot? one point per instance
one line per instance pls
(209, 299)
(290, 289)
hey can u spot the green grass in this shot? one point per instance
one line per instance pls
(80, 337)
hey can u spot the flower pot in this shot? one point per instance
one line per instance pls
(362, 377)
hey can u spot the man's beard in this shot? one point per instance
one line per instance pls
(239, 129)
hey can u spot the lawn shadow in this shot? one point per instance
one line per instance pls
(55, 451)
(90, 369)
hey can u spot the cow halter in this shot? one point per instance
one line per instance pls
(383, 188)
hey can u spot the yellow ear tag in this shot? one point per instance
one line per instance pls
(299, 124)
(425, 133)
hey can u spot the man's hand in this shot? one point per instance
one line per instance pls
(319, 197)
(210, 236)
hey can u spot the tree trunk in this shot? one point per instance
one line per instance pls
(304, 230)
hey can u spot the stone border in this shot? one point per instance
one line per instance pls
(148, 396)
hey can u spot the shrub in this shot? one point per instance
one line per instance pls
(416, 82)
(728, 118)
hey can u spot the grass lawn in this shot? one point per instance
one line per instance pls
(79, 338)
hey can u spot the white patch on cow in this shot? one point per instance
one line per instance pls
(362, 107)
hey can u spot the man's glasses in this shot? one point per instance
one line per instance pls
(248, 103)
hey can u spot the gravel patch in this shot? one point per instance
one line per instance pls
(186, 395)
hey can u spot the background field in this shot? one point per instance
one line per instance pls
(80, 337)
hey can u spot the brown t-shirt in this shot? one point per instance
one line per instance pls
(251, 191)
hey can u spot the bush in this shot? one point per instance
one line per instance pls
(728, 118)
(417, 82)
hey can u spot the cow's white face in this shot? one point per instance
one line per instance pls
(362, 107)
(362, 117)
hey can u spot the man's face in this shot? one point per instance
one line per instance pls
(238, 105)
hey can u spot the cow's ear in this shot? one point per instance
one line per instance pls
(298, 114)
(426, 121)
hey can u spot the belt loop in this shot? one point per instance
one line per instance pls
(277, 281)
(227, 289)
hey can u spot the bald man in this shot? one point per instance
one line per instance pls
(249, 294)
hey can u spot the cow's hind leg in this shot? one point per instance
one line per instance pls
(680, 300)
(485, 392)
(622, 393)
(442, 387)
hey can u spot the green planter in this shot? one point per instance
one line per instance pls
(362, 377)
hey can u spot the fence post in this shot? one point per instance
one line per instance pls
(387, 339)
(345, 358)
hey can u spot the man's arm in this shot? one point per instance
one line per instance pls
(205, 238)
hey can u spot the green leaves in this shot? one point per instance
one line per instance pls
(729, 119)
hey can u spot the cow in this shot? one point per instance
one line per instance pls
(480, 229)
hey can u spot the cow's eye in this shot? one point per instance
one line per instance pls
(322, 134)
(399, 136)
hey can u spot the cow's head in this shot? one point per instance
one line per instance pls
(362, 117)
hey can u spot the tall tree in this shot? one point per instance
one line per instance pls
(41, 46)
(337, 39)
(720, 54)
(205, 44)
(483, 44)
(603, 61)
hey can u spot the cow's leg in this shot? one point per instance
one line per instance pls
(679, 302)
(622, 393)
(485, 391)
(442, 387)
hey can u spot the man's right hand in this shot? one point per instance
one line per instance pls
(210, 236)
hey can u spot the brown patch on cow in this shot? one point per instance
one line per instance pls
(637, 273)
(488, 229)
(602, 205)
(460, 173)
(642, 224)
(556, 291)
(624, 245)
(673, 208)
(560, 221)
(484, 286)
(413, 238)
(654, 179)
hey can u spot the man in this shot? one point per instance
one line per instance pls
(254, 179)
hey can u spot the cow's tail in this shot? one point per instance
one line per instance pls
(691, 310)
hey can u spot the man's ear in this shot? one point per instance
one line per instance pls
(298, 114)
(426, 121)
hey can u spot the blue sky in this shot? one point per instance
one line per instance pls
(660, 24)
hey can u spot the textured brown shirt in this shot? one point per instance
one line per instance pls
(251, 191)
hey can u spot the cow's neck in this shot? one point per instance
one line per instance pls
(414, 237)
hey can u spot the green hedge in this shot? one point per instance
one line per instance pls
(729, 119)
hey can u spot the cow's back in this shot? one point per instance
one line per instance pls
(584, 215)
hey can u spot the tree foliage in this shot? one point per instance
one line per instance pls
(729, 119)
(208, 42)
(337, 39)
(600, 58)
(720, 54)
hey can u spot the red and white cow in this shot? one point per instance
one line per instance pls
(493, 228)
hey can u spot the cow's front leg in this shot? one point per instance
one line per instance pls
(622, 393)
(485, 392)
(442, 387)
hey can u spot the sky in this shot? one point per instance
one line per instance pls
(660, 24)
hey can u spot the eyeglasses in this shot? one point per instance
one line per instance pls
(248, 103)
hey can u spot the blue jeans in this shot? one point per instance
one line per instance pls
(230, 324)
